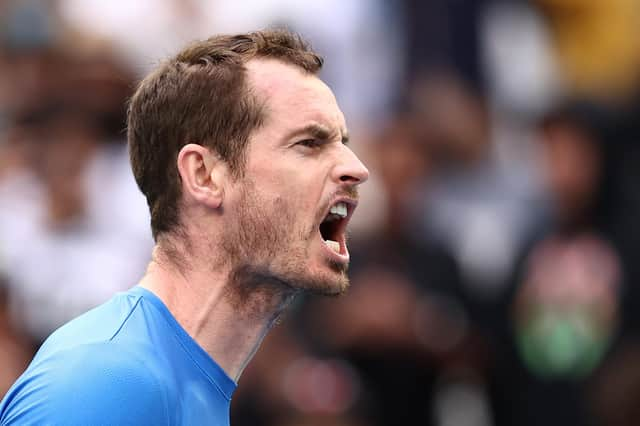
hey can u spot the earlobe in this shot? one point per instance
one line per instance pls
(202, 174)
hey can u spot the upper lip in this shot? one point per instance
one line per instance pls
(351, 203)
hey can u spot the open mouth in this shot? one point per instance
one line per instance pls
(333, 227)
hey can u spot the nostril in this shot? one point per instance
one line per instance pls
(353, 172)
(347, 178)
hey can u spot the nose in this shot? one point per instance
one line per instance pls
(350, 169)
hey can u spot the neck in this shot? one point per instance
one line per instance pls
(228, 312)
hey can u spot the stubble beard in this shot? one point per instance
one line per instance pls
(268, 252)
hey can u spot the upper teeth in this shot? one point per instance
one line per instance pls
(340, 209)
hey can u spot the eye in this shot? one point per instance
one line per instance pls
(310, 143)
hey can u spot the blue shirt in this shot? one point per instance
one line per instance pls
(126, 362)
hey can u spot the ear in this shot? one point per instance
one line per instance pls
(203, 174)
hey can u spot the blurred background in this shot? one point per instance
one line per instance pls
(495, 274)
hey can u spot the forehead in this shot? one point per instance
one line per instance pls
(293, 98)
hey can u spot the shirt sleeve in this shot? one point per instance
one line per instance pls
(99, 384)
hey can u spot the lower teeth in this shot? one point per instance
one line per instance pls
(334, 245)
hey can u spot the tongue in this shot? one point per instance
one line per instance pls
(333, 245)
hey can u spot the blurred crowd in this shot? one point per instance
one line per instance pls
(495, 278)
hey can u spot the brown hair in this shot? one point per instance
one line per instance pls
(201, 96)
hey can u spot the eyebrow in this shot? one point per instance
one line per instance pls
(320, 131)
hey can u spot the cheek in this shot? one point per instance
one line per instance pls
(302, 194)
(295, 188)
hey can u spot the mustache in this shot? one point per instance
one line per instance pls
(347, 192)
(350, 192)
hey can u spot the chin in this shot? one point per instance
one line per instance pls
(325, 277)
(331, 282)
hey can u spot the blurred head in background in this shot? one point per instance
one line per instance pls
(572, 164)
(61, 138)
(403, 163)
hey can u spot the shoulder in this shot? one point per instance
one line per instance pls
(100, 383)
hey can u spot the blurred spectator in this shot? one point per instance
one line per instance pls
(481, 212)
(563, 312)
(67, 242)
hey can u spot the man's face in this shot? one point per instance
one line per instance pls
(291, 208)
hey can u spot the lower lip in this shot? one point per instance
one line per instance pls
(339, 257)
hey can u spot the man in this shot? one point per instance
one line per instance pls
(241, 152)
